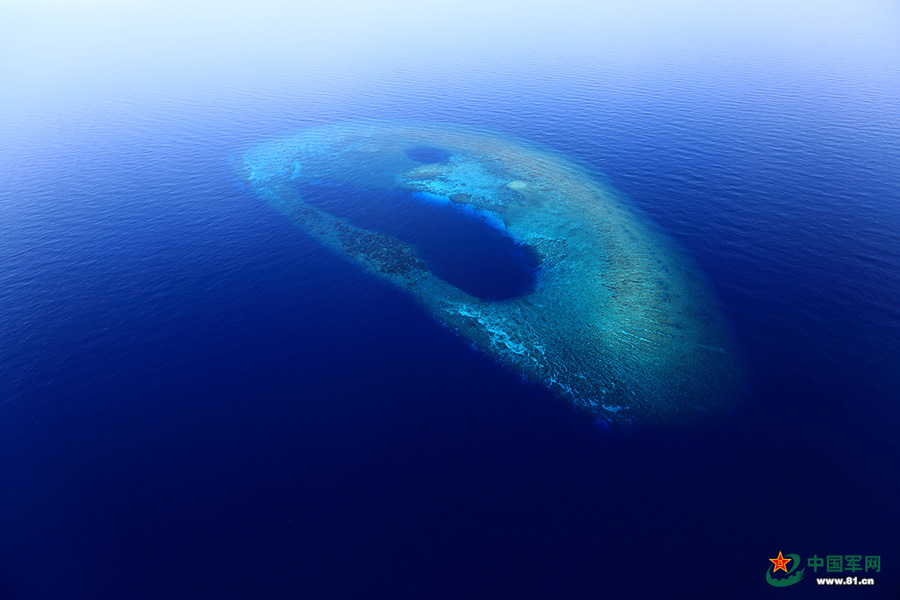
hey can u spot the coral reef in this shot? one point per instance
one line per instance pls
(621, 323)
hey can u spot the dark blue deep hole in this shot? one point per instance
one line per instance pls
(427, 154)
(457, 244)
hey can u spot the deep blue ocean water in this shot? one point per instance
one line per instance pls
(199, 401)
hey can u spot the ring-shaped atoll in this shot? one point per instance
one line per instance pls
(619, 322)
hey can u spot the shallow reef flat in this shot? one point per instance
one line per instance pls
(619, 322)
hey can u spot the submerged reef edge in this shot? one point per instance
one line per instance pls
(620, 322)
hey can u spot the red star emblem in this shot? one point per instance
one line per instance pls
(780, 563)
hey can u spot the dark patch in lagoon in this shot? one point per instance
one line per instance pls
(457, 244)
(427, 155)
